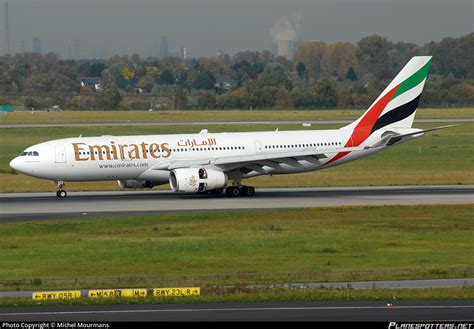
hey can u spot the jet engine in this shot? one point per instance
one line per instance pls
(197, 180)
(133, 183)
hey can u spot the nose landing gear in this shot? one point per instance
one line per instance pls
(61, 192)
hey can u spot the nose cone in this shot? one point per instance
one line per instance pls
(13, 163)
(16, 164)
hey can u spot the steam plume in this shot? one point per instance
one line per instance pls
(287, 27)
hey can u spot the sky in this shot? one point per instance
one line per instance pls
(205, 27)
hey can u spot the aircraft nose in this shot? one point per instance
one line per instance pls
(15, 164)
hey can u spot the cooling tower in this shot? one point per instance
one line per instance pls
(285, 48)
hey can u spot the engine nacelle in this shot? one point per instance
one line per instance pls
(133, 183)
(197, 180)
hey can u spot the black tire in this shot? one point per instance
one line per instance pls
(249, 191)
(61, 193)
(233, 191)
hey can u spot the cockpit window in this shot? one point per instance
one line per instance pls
(29, 153)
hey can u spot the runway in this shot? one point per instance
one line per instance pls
(427, 311)
(34, 206)
(211, 123)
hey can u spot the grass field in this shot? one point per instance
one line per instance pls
(441, 157)
(222, 115)
(428, 241)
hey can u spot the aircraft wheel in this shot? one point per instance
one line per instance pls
(233, 191)
(249, 191)
(61, 193)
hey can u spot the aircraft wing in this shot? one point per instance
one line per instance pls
(257, 162)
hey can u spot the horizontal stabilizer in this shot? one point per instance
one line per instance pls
(390, 138)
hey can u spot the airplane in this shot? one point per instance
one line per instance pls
(208, 162)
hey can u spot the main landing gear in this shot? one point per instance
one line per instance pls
(61, 192)
(234, 191)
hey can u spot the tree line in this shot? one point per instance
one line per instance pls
(320, 75)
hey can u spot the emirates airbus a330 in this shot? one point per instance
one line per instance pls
(207, 162)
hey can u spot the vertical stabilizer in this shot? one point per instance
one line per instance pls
(396, 105)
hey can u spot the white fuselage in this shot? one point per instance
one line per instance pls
(144, 157)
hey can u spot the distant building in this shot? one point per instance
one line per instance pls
(224, 82)
(164, 46)
(6, 108)
(93, 83)
(37, 45)
(183, 54)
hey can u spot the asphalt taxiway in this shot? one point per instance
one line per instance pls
(32, 206)
(427, 311)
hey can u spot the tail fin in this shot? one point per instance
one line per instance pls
(396, 105)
